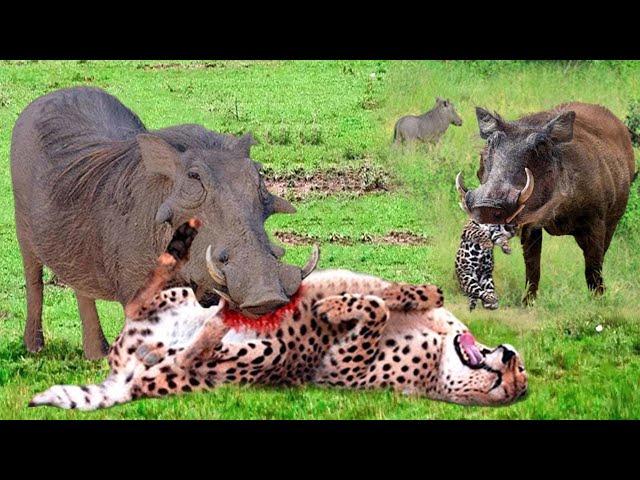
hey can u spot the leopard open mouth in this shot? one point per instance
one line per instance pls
(470, 355)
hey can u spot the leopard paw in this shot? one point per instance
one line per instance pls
(336, 309)
(413, 297)
(150, 355)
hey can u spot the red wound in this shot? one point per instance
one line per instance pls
(265, 323)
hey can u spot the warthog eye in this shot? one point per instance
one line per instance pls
(194, 175)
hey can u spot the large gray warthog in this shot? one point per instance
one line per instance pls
(567, 170)
(428, 127)
(97, 197)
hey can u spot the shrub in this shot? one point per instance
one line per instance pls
(633, 122)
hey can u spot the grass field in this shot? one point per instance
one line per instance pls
(315, 115)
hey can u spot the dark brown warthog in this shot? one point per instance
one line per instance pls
(567, 170)
(428, 127)
(97, 197)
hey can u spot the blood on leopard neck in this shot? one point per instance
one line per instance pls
(264, 323)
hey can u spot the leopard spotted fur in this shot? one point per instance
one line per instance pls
(475, 263)
(347, 330)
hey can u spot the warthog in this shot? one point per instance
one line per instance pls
(97, 197)
(428, 127)
(567, 170)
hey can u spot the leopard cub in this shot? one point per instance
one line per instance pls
(474, 261)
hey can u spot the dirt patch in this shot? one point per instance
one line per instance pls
(299, 184)
(399, 237)
(394, 237)
(291, 238)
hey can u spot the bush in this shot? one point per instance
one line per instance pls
(633, 122)
(630, 221)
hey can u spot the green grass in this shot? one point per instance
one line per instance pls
(314, 115)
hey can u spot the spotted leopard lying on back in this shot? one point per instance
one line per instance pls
(474, 261)
(344, 330)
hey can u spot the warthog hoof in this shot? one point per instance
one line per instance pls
(529, 299)
(96, 350)
(34, 342)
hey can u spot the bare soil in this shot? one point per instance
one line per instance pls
(394, 237)
(357, 181)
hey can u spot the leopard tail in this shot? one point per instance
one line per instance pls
(114, 390)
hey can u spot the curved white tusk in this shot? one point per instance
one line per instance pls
(526, 192)
(508, 220)
(312, 263)
(460, 185)
(221, 294)
(464, 208)
(463, 192)
(214, 271)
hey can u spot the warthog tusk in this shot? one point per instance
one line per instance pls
(524, 195)
(222, 295)
(460, 185)
(313, 261)
(214, 271)
(464, 208)
(526, 192)
(508, 220)
(463, 192)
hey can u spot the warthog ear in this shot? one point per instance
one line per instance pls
(488, 123)
(245, 142)
(560, 129)
(280, 205)
(158, 156)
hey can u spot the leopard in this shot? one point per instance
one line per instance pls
(475, 262)
(341, 330)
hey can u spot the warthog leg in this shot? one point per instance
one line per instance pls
(94, 344)
(33, 337)
(531, 239)
(592, 243)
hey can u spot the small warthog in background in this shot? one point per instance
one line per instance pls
(98, 196)
(428, 127)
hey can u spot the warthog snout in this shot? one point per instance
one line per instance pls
(271, 283)
(494, 204)
(264, 304)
